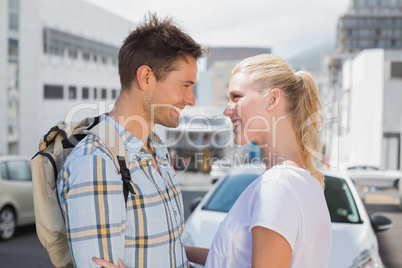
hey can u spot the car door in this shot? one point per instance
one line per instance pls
(19, 181)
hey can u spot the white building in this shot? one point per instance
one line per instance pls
(54, 55)
(372, 90)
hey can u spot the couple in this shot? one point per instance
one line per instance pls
(281, 220)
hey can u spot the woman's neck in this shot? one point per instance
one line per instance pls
(282, 148)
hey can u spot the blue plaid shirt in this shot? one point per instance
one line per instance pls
(146, 233)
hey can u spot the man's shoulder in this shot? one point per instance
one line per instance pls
(87, 149)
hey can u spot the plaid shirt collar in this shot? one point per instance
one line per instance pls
(135, 145)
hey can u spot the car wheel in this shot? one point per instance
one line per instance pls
(396, 184)
(8, 223)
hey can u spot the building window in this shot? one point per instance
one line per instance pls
(53, 92)
(104, 60)
(90, 49)
(95, 93)
(104, 93)
(11, 130)
(14, 4)
(72, 53)
(85, 56)
(85, 93)
(12, 47)
(72, 92)
(114, 94)
(13, 21)
(57, 51)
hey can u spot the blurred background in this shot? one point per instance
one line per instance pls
(58, 61)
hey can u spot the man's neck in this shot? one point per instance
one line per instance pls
(130, 116)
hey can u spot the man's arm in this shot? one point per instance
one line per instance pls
(94, 209)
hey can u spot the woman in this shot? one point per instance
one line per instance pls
(281, 219)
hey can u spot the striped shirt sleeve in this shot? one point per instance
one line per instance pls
(93, 205)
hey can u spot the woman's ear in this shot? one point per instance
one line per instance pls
(144, 75)
(274, 97)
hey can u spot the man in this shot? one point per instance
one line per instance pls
(157, 68)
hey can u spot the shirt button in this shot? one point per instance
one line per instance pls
(175, 212)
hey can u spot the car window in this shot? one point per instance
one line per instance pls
(228, 191)
(4, 173)
(17, 170)
(340, 201)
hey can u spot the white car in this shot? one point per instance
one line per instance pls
(16, 199)
(354, 241)
(374, 176)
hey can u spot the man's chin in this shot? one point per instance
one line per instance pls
(171, 124)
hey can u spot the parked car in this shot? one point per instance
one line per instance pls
(366, 175)
(354, 241)
(16, 200)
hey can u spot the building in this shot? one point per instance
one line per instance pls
(366, 24)
(204, 134)
(58, 61)
(221, 73)
(370, 24)
(372, 83)
(205, 130)
(220, 63)
(233, 53)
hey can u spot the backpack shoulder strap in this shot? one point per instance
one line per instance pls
(111, 137)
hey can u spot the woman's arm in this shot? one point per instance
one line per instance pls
(196, 254)
(269, 249)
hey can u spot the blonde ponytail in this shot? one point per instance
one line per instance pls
(307, 120)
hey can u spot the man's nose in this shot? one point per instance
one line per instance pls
(189, 97)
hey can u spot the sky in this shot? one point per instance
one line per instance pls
(288, 27)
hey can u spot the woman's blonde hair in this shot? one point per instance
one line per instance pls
(300, 90)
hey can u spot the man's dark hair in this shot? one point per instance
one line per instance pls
(157, 43)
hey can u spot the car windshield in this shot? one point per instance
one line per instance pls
(341, 204)
(340, 201)
(229, 190)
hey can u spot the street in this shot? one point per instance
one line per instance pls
(25, 250)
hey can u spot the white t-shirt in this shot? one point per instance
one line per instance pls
(287, 200)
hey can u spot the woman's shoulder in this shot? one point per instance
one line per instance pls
(280, 172)
(289, 177)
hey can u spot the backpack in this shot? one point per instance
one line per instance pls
(54, 148)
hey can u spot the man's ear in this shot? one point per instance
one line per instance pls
(144, 76)
(274, 97)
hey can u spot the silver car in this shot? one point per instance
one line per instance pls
(373, 176)
(16, 200)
